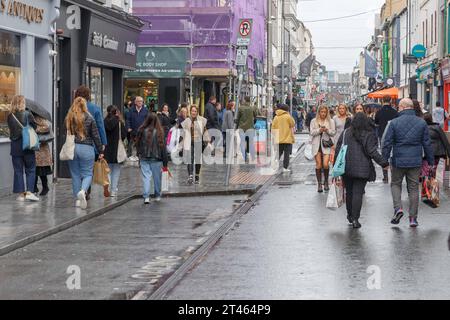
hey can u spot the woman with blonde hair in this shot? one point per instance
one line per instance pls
(322, 132)
(342, 120)
(21, 159)
(195, 138)
(82, 125)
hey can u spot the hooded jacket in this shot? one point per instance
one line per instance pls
(284, 123)
(439, 141)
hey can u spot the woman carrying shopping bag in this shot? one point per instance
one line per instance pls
(362, 148)
(82, 126)
(152, 154)
(44, 159)
(115, 153)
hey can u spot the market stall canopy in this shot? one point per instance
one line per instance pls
(392, 92)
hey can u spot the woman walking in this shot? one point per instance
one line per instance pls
(152, 154)
(283, 127)
(228, 124)
(362, 148)
(44, 159)
(342, 120)
(115, 134)
(195, 137)
(82, 125)
(164, 118)
(21, 159)
(322, 132)
(439, 142)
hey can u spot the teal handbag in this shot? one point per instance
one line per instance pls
(339, 165)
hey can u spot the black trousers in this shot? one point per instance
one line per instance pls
(198, 166)
(354, 188)
(287, 150)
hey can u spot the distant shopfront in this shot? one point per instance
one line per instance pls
(445, 70)
(25, 66)
(159, 76)
(96, 53)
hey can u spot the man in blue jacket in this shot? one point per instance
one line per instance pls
(136, 117)
(408, 138)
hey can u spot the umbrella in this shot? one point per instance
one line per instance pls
(36, 108)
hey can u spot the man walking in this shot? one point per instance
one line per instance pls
(246, 119)
(310, 116)
(136, 117)
(440, 115)
(382, 118)
(408, 138)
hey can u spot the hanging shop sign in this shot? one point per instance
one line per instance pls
(445, 67)
(9, 49)
(423, 73)
(159, 62)
(20, 10)
(419, 51)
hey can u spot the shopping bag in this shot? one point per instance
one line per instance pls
(339, 164)
(165, 180)
(336, 195)
(308, 152)
(68, 149)
(121, 151)
(30, 139)
(101, 173)
(430, 192)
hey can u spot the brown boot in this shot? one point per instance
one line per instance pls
(106, 191)
(319, 180)
(326, 173)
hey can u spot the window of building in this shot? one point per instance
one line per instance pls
(100, 81)
(9, 76)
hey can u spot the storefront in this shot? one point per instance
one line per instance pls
(159, 77)
(426, 89)
(25, 66)
(95, 51)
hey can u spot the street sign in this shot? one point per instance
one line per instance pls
(241, 56)
(245, 32)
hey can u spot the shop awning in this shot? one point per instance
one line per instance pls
(392, 92)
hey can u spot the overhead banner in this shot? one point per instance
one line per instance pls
(306, 65)
(371, 66)
(159, 62)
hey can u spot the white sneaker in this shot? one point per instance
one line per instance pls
(158, 199)
(82, 198)
(113, 195)
(147, 201)
(21, 198)
(77, 203)
(31, 197)
(286, 170)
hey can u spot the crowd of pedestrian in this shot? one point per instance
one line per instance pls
(405, 140)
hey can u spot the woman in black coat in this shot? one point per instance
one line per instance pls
(362, 148)
(164, 119)
(439, 141)
(115, 130)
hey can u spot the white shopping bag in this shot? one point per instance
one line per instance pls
(308, 152)
(332, 202)
(165, 181)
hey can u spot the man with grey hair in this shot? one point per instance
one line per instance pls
(408, 138)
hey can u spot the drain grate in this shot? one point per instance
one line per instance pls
(248, 178)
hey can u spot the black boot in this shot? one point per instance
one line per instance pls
(36, 190)
(356, 224)
(326, 173)
(45, 188)
(319, 180)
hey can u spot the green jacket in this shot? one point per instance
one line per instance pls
(246, 117)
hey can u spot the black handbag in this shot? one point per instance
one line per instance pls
(327, 143)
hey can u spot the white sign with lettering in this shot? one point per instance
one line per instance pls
(103, 41)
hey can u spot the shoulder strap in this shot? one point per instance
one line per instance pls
(20, 123)
(120, 131)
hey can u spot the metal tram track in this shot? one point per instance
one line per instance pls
(172, 281)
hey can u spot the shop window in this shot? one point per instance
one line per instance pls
(9, 87)
(96, 85)
(107, 84)
(146, 88)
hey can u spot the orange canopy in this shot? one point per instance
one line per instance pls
(392, 92)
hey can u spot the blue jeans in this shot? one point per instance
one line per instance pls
(82, 167)
(114, 176)
(151, 169)
(248, 144)
(27, 162)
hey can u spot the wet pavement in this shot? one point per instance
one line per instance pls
(131, 247)
(289, 246)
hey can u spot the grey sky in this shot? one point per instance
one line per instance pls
(351, 32)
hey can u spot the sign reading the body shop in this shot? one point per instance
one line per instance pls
(21, 10)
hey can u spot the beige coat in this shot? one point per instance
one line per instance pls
(316, 138)
(200, 136)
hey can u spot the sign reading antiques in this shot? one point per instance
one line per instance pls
(22, 11)
(103, 41)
